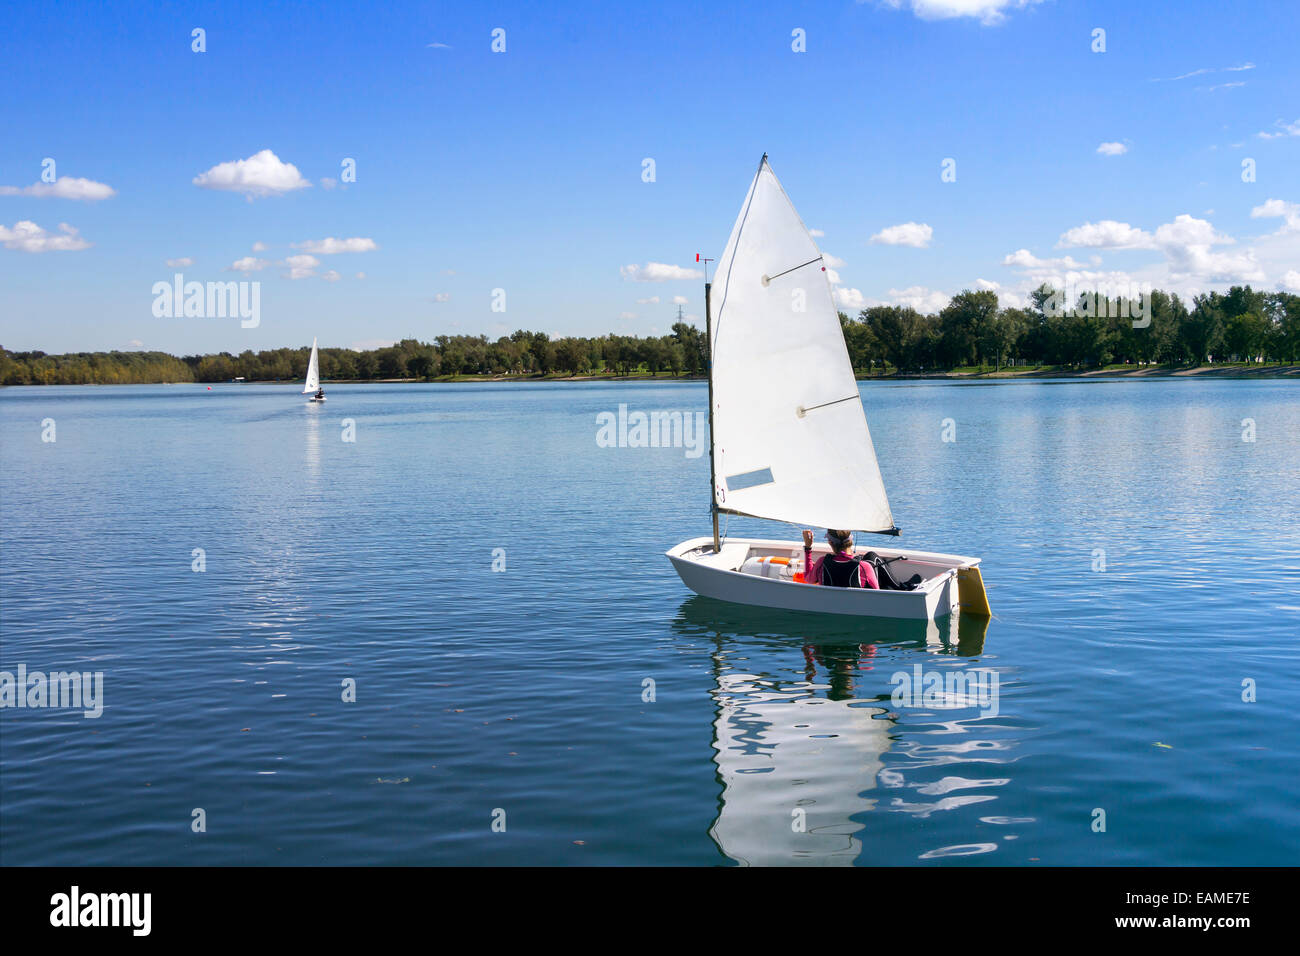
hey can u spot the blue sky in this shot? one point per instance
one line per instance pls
(523, 170)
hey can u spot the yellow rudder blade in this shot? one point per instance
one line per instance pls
(970, 592)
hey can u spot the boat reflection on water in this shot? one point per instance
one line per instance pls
(797, 740)
(313, 450)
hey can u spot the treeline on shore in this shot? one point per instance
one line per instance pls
(1241, 325)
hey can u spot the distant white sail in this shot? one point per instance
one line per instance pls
(790, 437)
(313, 371)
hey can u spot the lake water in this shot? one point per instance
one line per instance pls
(1142, 562)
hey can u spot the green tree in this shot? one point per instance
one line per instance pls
(964, 325)
(898, 332)
(1202, 329)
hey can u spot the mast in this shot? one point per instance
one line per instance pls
(708, 358)
(708, 361)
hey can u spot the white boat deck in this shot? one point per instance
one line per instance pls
(718, 575)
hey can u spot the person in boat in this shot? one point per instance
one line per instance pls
(320, 393)
(841, 568)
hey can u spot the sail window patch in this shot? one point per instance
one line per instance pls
(750, 479)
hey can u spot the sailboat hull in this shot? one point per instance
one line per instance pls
(717, 575)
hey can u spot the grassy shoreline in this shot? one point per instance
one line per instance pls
(1237, 370)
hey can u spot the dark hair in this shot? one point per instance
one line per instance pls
(839, 539)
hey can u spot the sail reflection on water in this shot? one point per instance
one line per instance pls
(794, 765)
(312, 456)
(801, 726)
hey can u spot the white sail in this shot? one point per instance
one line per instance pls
(790, 439)
(313, 371)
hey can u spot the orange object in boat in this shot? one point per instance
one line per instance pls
(798, 577)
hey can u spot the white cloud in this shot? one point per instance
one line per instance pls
(850, 298)
(1198, 264)
(816, 233)
(658, 272)
(262, 174)
(1192, 258)
(1007, 298)
(1184, 76)
(1202, 71)
(833, 262)
(920, 298)
(680, 300)
(1059, 273)
(327, 183)
(247, 264)
(135, 344)
(1106, 234)
(627, 315)
(1285, 129)
(29, 237)
(1279, 209)
(438, 46)
(65, 187)
(301, 267)
(259, 247)
(653, 300)
(1112, 149)
(988, 12)
(915, 234)
(1187, 230)
(442, 297)
(180, 263)
(1186, 244)
(1291, 281)
(1021, 258)
(366, 345)
(1024, 259)
(331, 276)
(332, 246)
(361, 275)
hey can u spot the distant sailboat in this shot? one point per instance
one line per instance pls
(789, 438)
(313, 377)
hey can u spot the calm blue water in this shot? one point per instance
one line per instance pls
(522, 691)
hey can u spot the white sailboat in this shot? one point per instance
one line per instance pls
(789, 439)
(312, 385)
